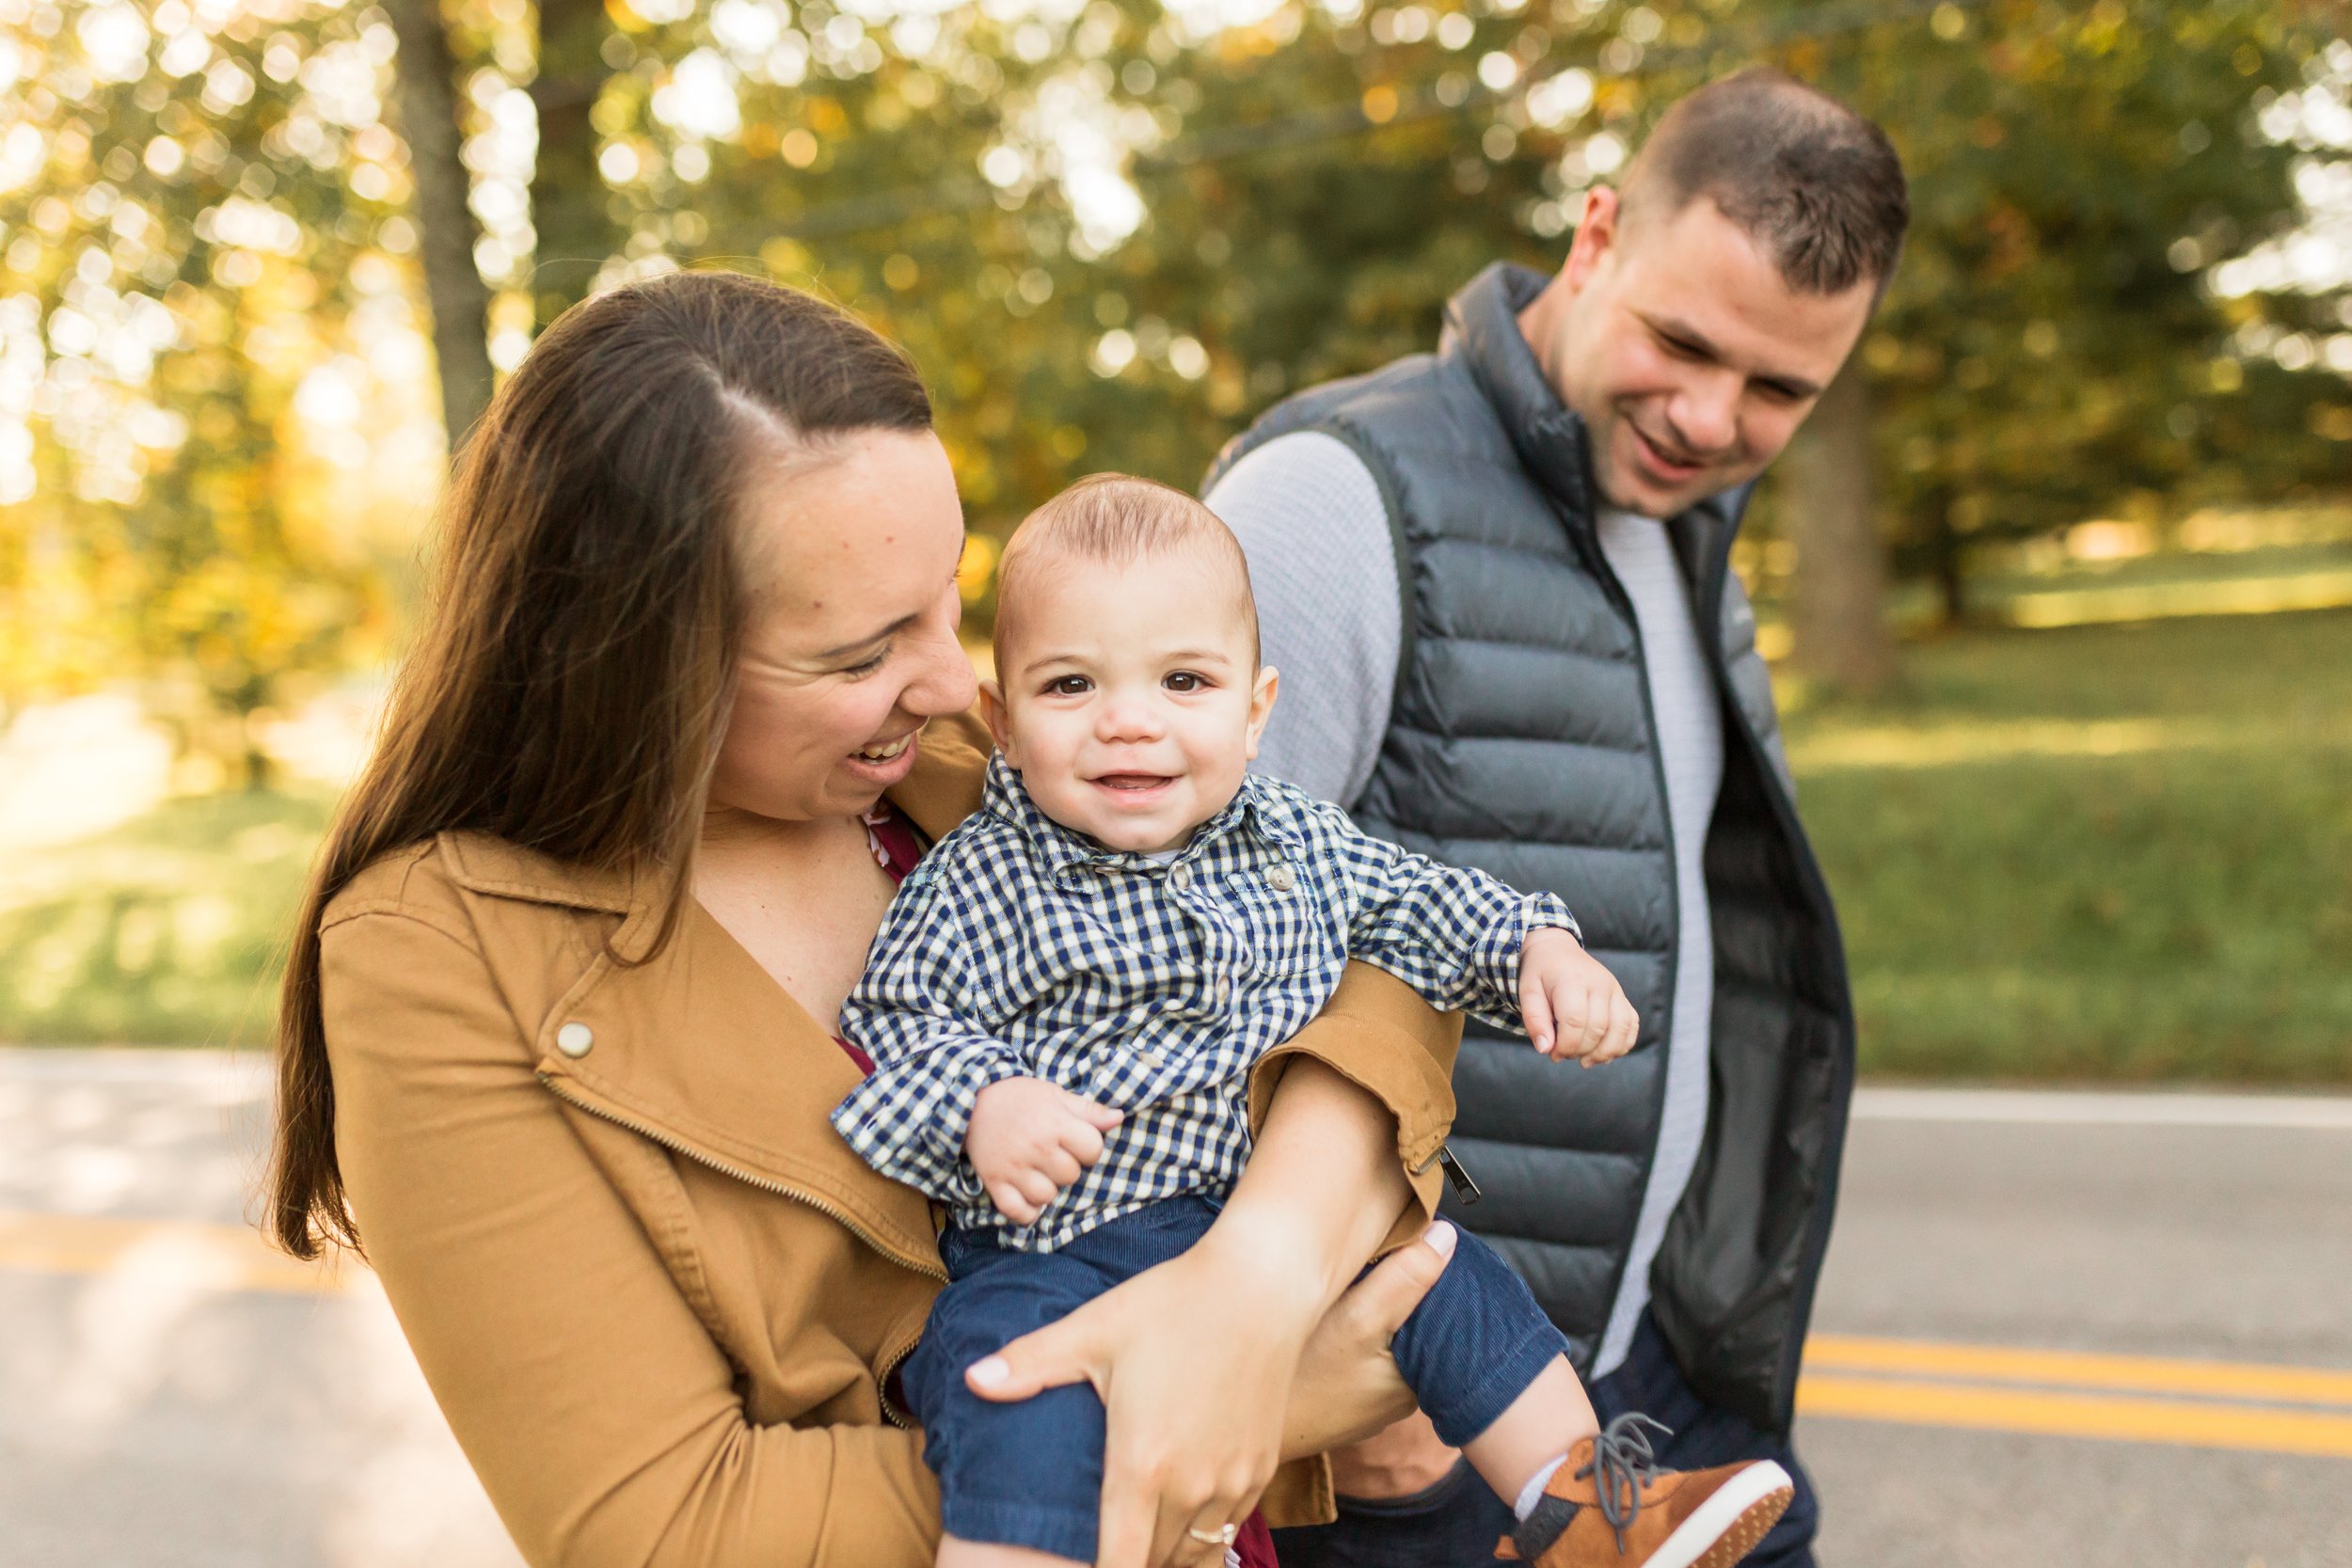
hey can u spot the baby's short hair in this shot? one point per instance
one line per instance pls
(1116, 519)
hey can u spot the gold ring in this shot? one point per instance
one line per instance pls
(1224, 1535)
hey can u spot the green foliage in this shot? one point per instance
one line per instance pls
(2114, 852)
(186, 234)
(2049, 351)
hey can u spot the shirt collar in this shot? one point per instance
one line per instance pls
(1059, 848)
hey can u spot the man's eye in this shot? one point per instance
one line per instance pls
(866, 667)
(1069, 686)
(1184, 680)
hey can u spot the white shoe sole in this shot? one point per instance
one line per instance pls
(1728, 1525)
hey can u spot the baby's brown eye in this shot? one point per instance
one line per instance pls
(1182, 680)
(1070, 686)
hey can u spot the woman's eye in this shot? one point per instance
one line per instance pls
(867, 667)
(1070, 686)
(1184, 680)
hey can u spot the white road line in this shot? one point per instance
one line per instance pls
(2106, 1108)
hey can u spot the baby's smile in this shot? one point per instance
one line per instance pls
(1131, 701)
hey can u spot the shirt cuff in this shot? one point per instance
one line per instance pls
(1497, 960)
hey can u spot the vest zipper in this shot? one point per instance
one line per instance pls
(1816, 884)
(677, 1145)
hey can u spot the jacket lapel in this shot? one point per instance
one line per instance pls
(699, 1050)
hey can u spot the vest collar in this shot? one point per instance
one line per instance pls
(1482, 330)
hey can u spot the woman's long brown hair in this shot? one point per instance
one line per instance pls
(568, 686)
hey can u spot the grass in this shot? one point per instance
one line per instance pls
(2110, 852)
(2104, 852)
(167, 930)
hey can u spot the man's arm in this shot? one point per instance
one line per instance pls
(1311, 520)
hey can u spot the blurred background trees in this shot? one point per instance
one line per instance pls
(264, 260)
(1111, 231)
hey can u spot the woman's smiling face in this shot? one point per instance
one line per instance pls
(849, 644)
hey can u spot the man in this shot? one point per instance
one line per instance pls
(1496, 581)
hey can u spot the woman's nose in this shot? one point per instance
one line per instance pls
(945, 683)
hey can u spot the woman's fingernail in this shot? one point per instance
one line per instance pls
(1441, 1238)
(990, 1371)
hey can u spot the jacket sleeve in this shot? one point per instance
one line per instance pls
(926, 1015)
(1381, 1036)
(600, 1415)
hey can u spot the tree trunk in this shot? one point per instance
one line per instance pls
(1839, 611)
(571, 206)
(459, 300)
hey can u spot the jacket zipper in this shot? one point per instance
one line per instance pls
(832, 1211)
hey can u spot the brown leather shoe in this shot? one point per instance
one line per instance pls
(1611, 1507)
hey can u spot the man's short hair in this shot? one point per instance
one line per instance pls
(1817, 185)
(1116, 519)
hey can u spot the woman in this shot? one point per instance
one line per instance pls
(557, 1032)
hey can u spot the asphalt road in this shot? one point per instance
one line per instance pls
(2055, 1330)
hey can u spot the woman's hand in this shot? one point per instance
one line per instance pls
(1211, 1373)
(1347, 1387)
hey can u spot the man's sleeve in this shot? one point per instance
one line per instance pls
(1310, 517)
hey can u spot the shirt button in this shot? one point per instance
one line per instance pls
(1179, 877)
(1281, 879)
(574, 1040)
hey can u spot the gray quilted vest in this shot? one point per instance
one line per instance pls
(1521, 741)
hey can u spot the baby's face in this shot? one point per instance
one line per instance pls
(1129, 701)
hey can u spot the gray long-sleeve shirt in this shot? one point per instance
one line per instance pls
(1311, 519)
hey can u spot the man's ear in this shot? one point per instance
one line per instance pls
(1262, 696)
(993, 713)
(1596, 236)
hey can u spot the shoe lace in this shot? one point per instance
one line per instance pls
(1623, 1462)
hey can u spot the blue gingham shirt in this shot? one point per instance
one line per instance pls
(1021, 949)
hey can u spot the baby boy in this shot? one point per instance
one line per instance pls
(1066, 999)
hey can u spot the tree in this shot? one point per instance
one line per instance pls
(193, 204)
(1837, 606)
(456, 294)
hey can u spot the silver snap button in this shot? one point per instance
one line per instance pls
(574, 1040)
(1281, 879)
(1180, 878)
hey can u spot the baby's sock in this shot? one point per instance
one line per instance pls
(1532, 1493)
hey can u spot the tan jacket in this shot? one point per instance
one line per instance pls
(657, 1296)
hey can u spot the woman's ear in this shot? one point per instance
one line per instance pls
(993, 713)
(1262, 704)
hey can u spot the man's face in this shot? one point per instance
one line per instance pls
(1689, 359)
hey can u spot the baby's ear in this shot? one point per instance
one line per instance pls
(993, 710)
(1262, 695)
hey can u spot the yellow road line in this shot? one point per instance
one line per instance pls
(2142, 1374)
(224, 1257)
(2178, 1422)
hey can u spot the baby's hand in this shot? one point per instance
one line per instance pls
(1029, 1139)
(1571, 1005)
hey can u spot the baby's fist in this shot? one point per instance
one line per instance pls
(1029, 1139)
(1572, 1005)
